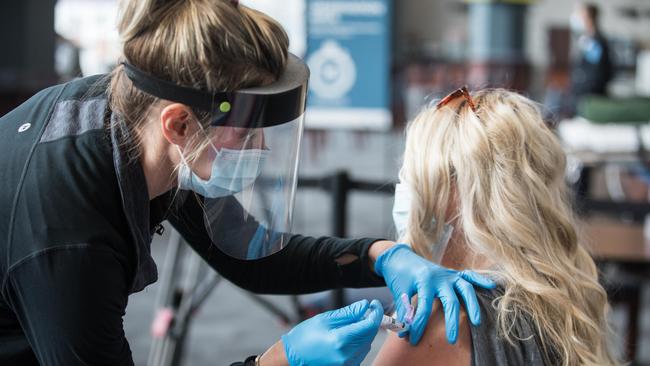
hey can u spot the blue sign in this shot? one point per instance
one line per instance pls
(348, 52)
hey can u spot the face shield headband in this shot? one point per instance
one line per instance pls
(279, 102)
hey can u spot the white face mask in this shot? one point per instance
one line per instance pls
(576, 24)
(232, 171)
(401, 209)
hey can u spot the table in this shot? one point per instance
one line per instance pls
(611, 240)
(624, 246)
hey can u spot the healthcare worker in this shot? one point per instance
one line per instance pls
(200, 124)
(593, 68)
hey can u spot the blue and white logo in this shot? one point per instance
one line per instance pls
(333, 71)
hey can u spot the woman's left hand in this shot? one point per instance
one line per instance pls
(407, 273)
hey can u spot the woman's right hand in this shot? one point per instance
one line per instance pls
(337, 337)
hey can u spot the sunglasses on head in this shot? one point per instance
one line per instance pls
(460, 92)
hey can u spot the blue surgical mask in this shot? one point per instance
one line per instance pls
(401, 209)
(232, 172)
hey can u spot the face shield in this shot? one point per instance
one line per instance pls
(244, 165)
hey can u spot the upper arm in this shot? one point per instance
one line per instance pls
(70, 304)
(433, 348)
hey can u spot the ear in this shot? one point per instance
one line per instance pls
(177, 123)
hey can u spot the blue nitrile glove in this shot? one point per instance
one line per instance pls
(337, 337)
(406, 272)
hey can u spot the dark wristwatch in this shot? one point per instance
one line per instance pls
(249, 361)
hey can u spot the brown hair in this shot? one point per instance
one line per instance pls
(212, 45)
(592, 11)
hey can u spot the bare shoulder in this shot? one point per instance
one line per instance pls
(433, 349)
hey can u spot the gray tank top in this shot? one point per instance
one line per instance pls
(490, 349)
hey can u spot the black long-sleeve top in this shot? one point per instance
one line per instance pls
(75, 231)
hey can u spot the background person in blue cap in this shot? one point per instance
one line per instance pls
(200, 124)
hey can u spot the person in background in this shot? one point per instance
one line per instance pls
(593, 68)
(484, 173)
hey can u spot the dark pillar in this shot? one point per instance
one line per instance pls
(497, 32)
(28, 40)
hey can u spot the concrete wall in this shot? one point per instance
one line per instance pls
(435, 25)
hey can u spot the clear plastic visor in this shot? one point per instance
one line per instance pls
(246, 180)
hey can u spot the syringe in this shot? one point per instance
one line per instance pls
(392, 324)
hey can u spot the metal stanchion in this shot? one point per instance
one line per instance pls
(339, 186)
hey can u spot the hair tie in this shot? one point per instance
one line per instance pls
(234, 2)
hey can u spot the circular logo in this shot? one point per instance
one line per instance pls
(333, 71)
(24, 127)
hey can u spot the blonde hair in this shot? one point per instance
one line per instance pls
(213, 45)
(504, 169)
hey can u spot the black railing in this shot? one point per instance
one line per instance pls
(338, 186)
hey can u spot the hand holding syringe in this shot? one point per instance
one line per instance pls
(394, 325)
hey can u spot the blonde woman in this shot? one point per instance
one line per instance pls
(205, 100)
(485, 168)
